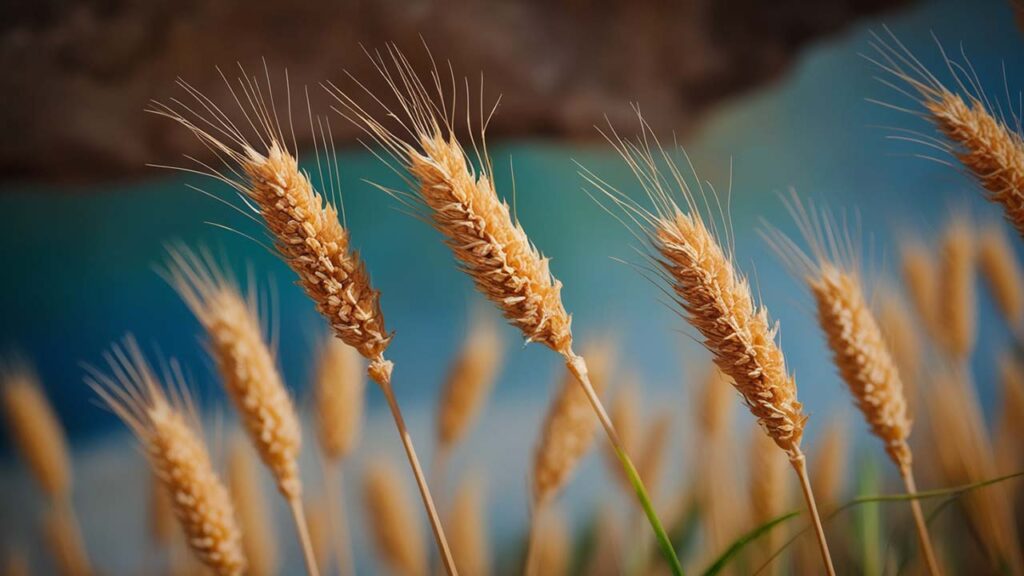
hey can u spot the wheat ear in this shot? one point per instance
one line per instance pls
(831, 270)
(306, 233)
(902, 338)
(998, 265)
(392, 521)
(339, 391)
(248, 371)
(463, 205)
(469, 381)
(715, 298)
(39, 438)
(255, 517)
(977, 134)
(468, 522)
(920, 277)
(164, 419)
(957, 305)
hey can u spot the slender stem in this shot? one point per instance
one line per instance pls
(339, 523)
(578, 367)
(907, 473)
(299, 516)
(800, 465)
(380, 371)
(530, 568)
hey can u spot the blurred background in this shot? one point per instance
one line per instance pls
(766, 95)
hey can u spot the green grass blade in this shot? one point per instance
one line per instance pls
(645, 501)
(737, 546)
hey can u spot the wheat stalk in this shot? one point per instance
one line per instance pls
(998, 265)
(462, 204)
(393, 524)
(987, 146)
(163, 418)
(339, 390)
(255, 517)
(768, 494)
(39, 438)
(468, 522)
(306, 233)
(831, 271)
(716, 299)
(318, 513)
(248, 370)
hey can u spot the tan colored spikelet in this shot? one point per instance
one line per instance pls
(36, 431)
(245, 361)
(166, 425)
(998, 265)
(468, 527)
(831, 461)
(463, 205)
(554, 544)
(719, 304)
(259, 540)
(394, 524)
(902, 338)
(470, 379)
(339, 389)
(921, 277)
(65, 547)
(318, 517)
(161, 514)
(991, 150)
(1010, 423)
(716, 403)
(956, 302)
(569, 427)
(303, 224)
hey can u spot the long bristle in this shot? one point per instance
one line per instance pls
(998, 265)
(569, 428)
(394, 524)
(304, 225)
(259, 540)
(461, 201)
(469, 533)
(469, 381)
(339, 389)
(36, 431)
(990, 149)
(245, 361)
(163, 418)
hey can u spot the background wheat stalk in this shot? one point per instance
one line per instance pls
(831, 270)
(393, 524)
(39, 438)
(714, 296)
(164, 419)
(306, 232)
(338, 391)
(985, 144)
(462, 204)
(248, 371)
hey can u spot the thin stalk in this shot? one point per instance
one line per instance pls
(339, 522)
(384, 380)
(800, 465)
(578, 367)
(922, 528)
(530, 568)
(299, 516)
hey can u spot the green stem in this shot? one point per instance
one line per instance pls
(578, 367)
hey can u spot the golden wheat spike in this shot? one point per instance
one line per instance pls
(998, 265)
(715, 298)
(957, 307)
(393, 523)
(36, 431)
(164, 420)
(305, 230)
(338, 391)
(903, 340)
(255, 516)
(469, 381)
(978, 135)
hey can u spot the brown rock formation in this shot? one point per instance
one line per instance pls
(77, 75)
